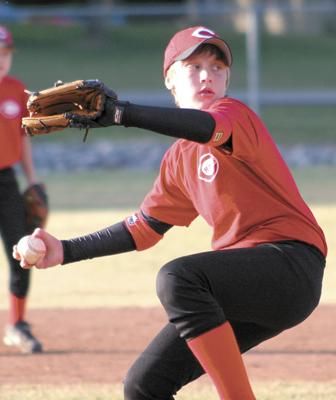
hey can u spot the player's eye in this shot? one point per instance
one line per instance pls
(218, 67)
(193, 66)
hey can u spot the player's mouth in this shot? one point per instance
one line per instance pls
(205, 92)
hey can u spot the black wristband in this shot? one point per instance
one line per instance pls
(112, 240)
(113, 112)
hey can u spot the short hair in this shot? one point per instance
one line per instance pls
(212, 50)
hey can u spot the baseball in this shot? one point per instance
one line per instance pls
(31, 249)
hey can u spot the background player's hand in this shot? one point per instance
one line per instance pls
(53, 255)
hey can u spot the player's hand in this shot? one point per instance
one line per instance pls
(111, 114)
(53, 255)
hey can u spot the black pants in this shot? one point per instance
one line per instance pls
(12, 228)
(261, 291)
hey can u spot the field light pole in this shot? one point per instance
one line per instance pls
(252, 55)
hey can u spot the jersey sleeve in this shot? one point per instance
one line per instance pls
(143, 235)
(165, 202)
(237, 122)
(168, 201)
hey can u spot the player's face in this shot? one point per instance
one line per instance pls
(5, 62)
(198, 81)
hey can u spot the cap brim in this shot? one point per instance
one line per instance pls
(215, 41)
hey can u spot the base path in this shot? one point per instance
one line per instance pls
(98, 346)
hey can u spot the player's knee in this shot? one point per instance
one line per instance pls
(134, 386)
(19, 285)
(130, 389)
(171, 283)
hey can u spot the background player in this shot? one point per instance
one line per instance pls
(14, 147)
(265, 271)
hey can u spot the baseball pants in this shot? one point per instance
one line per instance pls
(261, 291)
(12, 228)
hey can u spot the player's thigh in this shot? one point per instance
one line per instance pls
(163, 368)
(249, 335)
(271, 286)
(12, 217)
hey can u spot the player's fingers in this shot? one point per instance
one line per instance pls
(39, 233)
(15, 253)
(41, 264)
(44, 236)
(25, 265)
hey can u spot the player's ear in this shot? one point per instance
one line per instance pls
(228, 75)
(168, 82)
(169, 79)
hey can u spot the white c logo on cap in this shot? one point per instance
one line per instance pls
(203, 33)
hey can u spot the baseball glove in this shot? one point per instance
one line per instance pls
(35, 200)
(56, 108)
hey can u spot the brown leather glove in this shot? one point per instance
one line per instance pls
(36, 206)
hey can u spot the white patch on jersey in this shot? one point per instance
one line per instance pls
(3, 33)
(132, 219)
(10, 109)
(203, 33)
(207, 167)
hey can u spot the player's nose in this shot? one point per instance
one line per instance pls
(205, 75)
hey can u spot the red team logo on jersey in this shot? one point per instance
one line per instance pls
(207, 167)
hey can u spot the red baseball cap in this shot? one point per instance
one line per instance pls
(6, 39)
(185, 42)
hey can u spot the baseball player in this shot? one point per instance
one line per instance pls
(15, 148)
(264, 272)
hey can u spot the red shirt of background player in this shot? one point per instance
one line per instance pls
(13, 101)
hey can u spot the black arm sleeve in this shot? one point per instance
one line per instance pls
(194, 125)
(112, 240)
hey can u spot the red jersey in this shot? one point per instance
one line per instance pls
(247, 195)
(13, 102)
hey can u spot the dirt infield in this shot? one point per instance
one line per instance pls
(99, 345)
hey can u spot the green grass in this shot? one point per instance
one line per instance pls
(298, 61)
(301, 124)
(98, 190)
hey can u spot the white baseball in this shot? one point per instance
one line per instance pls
(32, 249)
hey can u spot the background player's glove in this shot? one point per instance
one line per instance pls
(35, 200)
(79, 104)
